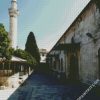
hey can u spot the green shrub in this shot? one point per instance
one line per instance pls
(25, 55)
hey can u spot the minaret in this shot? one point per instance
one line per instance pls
(13, 13)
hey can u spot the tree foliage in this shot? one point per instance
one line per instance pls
(25, 55)
(5, 50)
(31, 46)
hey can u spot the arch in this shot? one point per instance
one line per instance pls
(58, 64)
(54, 63)
(61, 65)
(99, 62)
(99, 52)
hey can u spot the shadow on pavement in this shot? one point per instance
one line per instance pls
(42, 86)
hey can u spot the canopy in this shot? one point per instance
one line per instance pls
(67, 46)
(17, 59)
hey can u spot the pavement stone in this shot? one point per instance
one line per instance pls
(43, 87)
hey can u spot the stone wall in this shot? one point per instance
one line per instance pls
(87, 22)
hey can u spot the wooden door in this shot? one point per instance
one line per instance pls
(74, 67)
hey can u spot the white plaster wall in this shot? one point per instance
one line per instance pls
(62, 57)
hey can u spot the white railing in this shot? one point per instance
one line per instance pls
(88, 90)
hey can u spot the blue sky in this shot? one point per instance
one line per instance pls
(48, 19)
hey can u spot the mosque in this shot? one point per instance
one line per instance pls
(76, 55)
(12, 72)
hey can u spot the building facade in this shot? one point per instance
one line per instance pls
(43, 53)
(77, 53)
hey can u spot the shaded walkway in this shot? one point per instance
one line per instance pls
(44, 87)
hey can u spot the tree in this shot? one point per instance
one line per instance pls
(25, 55)
(31, 47)
(5, 50)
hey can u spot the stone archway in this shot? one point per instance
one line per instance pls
(99, 61)
(61, 64)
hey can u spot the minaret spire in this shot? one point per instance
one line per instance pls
(13, 13)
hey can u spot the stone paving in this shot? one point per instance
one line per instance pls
(13, 81)
(44, 87)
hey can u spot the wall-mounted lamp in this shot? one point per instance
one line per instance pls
(91, 36)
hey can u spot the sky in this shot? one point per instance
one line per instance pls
(47, 19)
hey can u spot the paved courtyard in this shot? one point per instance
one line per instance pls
(44, 87)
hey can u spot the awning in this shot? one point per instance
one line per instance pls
(53, 55)
(17, 59)
(67, 46)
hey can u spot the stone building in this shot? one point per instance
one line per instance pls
(77, 53)
(43, 53)
(15, 68)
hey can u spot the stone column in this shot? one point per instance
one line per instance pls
(13, 13)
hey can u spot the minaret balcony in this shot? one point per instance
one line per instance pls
(13, 12)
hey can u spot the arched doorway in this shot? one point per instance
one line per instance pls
(54, 64)
(61, 64)
(73, 68)
(99, 61)
(58, 64)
